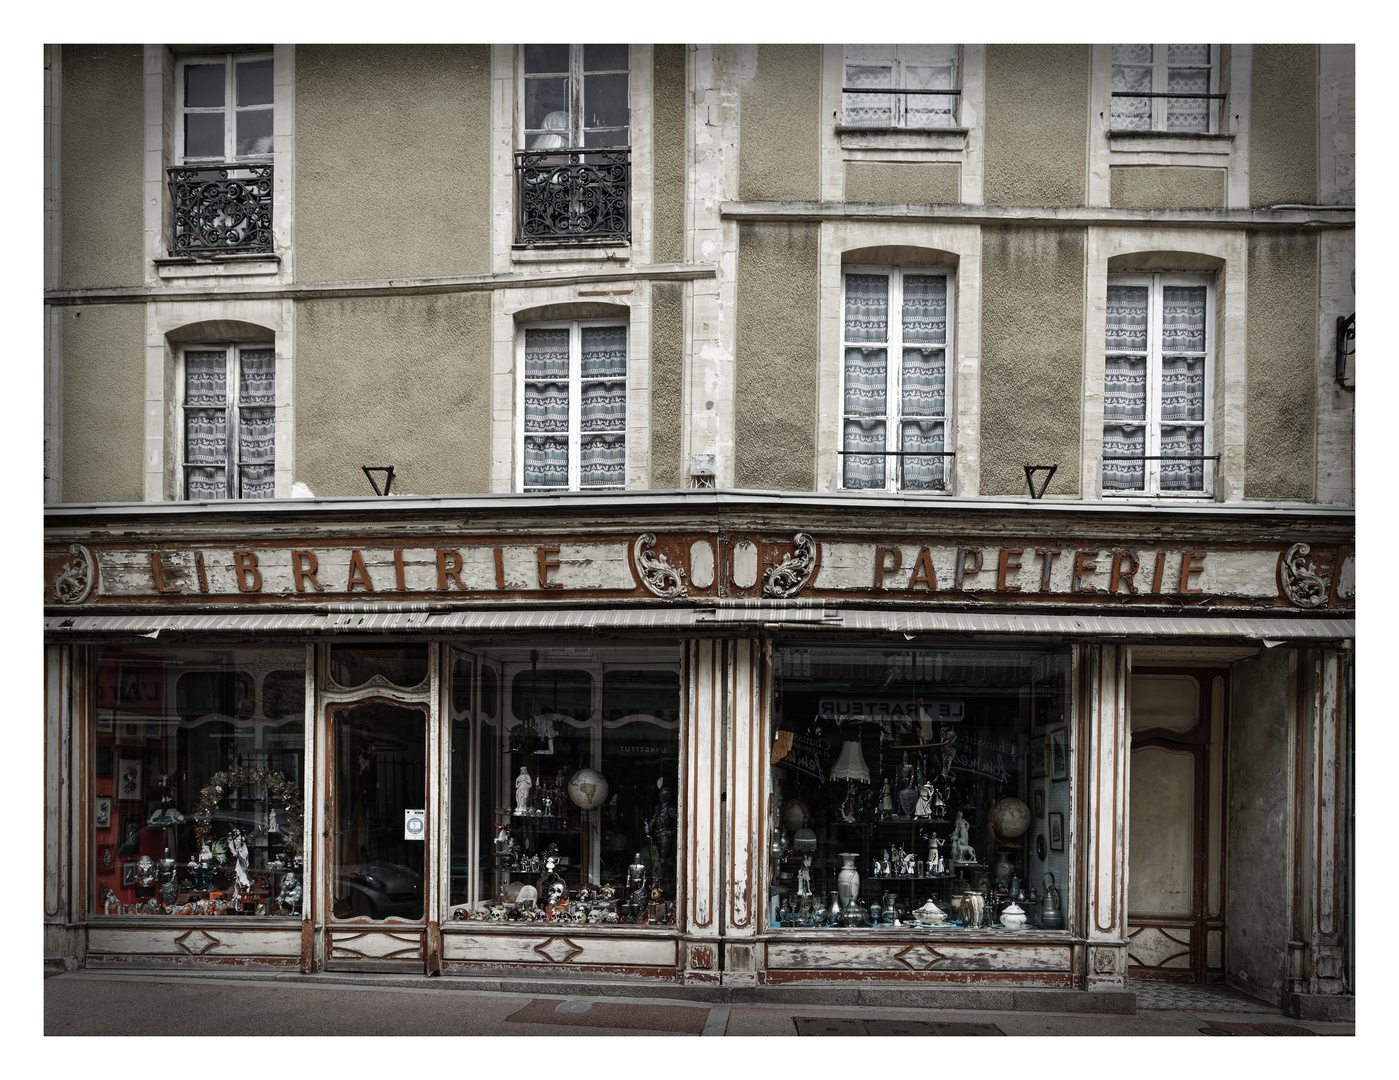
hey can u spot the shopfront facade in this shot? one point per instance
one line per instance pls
(703, 738)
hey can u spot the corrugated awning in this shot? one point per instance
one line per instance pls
(680, 619)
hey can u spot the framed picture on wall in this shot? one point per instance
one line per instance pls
(130, 834)
(104, 761)
(1038, 766)
(106, 722)
(129, 686)
(1056, 831)
(129, 784)
(102, 816)
(131, 731)
(128, 874)
(1039, 802)
(1059, 754)
(152, 729)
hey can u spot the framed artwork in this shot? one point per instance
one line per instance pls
(128, 874)
(1056, 831)
(106, 854)
(103, 814)
(129, 833)
(131, 731)
(129, 784)
(1059, 754)
(1039, 802)
(129, 686)
(106, 722)
(104, 761)
(1038, 767)
(152, 729)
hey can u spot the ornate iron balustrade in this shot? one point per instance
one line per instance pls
(221, 209)
(573, 194)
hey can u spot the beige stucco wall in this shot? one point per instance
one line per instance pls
(1282, 138)
(104, 383)
(779, 145)
(1032, 283)
(394, 381)
(1282, 290)
(668, 140)
(1037, 99)
(776, 357)
(667, 384)
(902, 182)
(101, 134)
(1166, 185)
(393, 161)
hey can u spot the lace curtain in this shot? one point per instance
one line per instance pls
(546, 462)
(866, 382)
(922, 473)
(929, 110)
(604, 406)
(546, 402)
(1132, 70)
(1182, 442)
(924, 382)
(1188, 72)
(1124, 440)
(861, 471)
(604, 352)
(869, 110)
(603, 462)
(866, 307)
(257, 386)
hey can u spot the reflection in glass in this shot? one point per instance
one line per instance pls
(400, 665)
(204, 85)
(204, 135)
(255, 82)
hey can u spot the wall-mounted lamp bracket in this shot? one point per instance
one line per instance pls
(387, 470)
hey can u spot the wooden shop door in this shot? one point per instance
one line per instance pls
(1175, 836)
(378, 853)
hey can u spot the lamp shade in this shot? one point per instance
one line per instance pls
(851, 763)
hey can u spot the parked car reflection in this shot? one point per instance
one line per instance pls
(379, 890)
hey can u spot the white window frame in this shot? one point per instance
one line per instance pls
(1156, 283)
(230, 107)
(1160, 83)
(893, 417)
(575, 402)
(898, 57)
(577, 128)
(233, 466)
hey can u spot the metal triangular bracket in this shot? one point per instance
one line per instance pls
(387, 470)
(1030, 471)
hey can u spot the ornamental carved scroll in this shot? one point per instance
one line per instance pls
(1300, 585)
(655, 570)
(74, 582)
(788, 577)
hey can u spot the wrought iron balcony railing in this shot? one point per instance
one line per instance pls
(572, 195)
(221, 209)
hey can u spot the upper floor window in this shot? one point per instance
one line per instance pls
(895, 380)
(1157, 432)
(228, 448)
(225, 107)
(572, 421)
(572, 98)
(1170, 88)
(901, 86)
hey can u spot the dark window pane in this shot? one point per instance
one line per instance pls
(604, 57)
(204, 85)
(605, 137)
(283, 694)
(488, 690)
(545, 58)
(199, 693)
(401, 665)
(461, 684)
(204, 135)
(546, 105)
(255, 133)
(605, 102)
(569, 693)
(652, 693)
(255, 82)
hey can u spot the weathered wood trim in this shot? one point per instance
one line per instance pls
(1106, 801)
(703, 759)
(354, 943)
(938, 955)
(210, 938)
(744, 781)
(562, 947)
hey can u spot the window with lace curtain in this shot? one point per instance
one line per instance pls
(895, 382)
(1165, 88)
(901, 86)
(228, 442)
(572, 418)
(1159, 371)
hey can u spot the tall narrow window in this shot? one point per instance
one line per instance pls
(229, 421)
(901, 86)
(576, 95)
(1171, 88)
(573, 395)
(894, 379)
(1157, 436)
(226, 107)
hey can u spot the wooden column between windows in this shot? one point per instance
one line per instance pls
(701, 817)
(747, 676)
(1100, 764)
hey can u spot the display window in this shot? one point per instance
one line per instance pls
(198, 773)
(564, 785)
(920, 788)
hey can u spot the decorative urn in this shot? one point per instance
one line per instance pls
(929, 914)
(1013, 917)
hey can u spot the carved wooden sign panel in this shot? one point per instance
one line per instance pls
(690, 567)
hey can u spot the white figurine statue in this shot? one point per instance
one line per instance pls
(238, 848)
(110, 902)
(804, 878)
(962, 851)
(523, 786)
(886, 799)
(924, 807)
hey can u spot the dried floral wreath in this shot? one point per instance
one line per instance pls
(278, 787)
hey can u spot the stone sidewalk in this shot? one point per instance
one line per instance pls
(166, 1003)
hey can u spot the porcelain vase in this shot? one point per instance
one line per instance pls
(848, 880)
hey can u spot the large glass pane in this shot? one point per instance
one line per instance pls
(198, 781)
(543, 59)
(204, 86)
(255, 82)
(605, 103)
(929, 110)
(546, 462)
(204, 136)
(1188, 113)
(398, 665)
(204, 483)
(256, 436)
(257, 374)
(546, 108)
(1183, 388)
(546, 353)
(605, 57)
(1127, 309)
(206, 379)
(546, 406)
(1183, 318)
(378, 869)
(603, 406)
(906, 791)
(254, 132)
(578, 804)
(1131, 113)
(256, 482)
(206, 436)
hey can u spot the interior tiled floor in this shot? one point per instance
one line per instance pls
(1196, 997)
